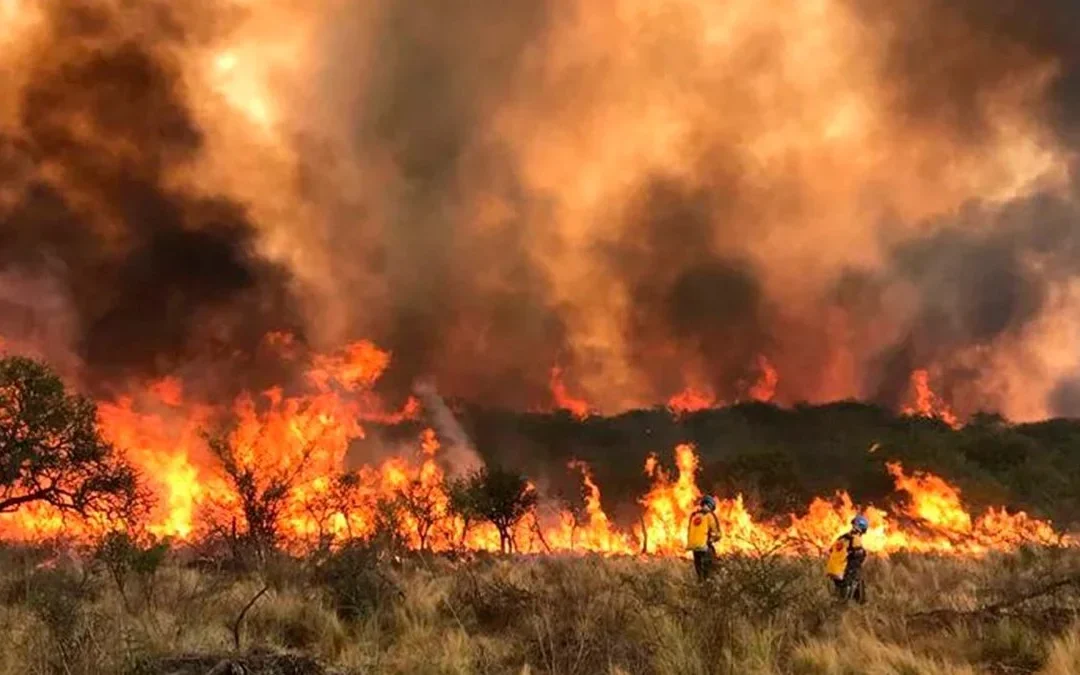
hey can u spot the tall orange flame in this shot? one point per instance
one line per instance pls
(925, 403)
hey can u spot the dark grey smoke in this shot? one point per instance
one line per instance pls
(944, 56)
(984, 276)
(468, 308)
(156, 277)
(711, 307)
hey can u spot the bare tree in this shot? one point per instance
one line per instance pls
(463, 505)
(340, 498)
(423, 503)
(262, 494)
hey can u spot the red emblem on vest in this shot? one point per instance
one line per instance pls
(697, 520)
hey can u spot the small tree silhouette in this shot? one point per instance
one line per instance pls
(424, 505)
(498, 496)
(463, 506)
(339, 500)
(51, 450)
(262, 495)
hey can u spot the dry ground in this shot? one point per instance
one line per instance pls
(353, 614)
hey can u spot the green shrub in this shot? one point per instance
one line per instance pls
(356, 582)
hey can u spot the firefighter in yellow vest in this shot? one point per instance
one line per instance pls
(845, 561)
(703, 533)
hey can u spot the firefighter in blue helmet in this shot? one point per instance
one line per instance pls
(703, 533)
(845, 561)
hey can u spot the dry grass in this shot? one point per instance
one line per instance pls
(551, 615)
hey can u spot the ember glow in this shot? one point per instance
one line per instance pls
(691, 400)
(765, 388)
(695, 398)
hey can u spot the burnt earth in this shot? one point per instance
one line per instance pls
(251, 664)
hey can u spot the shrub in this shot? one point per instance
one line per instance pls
(60, 599)
(490, 604)
(298, 622)
(125, 558)
(356, 583)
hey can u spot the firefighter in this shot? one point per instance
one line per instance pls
(703, 533)
(845, 561)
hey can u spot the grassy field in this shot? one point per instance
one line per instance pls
(352, 613)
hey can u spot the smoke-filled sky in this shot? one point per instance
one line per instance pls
(648, 194)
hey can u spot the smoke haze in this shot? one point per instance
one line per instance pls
(648, 195)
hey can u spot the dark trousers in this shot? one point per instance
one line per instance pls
(703, 562)
(851, 587)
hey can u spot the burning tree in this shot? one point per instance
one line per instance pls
(51, 451)
(425, 504)
(262, 495)
(333, 504)
(462, 504)
(500, 497)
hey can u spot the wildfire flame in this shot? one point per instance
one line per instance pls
(764, 389)
(696, 397)
(925, 403)
(691, 400)
(579, 408)
(306, 436)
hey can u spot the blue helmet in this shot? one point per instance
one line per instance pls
(708, 503)
(860, 523)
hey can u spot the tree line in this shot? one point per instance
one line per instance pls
(779, 459)
(52, 452)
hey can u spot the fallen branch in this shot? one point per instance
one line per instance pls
(540, 534)
(998, 608)
(243, 613)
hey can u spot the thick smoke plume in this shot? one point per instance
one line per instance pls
(152, 273)
(649, 196)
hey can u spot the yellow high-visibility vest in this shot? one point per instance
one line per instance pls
(704, 529)
(836, 564)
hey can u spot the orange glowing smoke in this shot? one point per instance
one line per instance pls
(925, 403)
(579, 408)
(691, 400)
(622, 95)
(764, 389)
